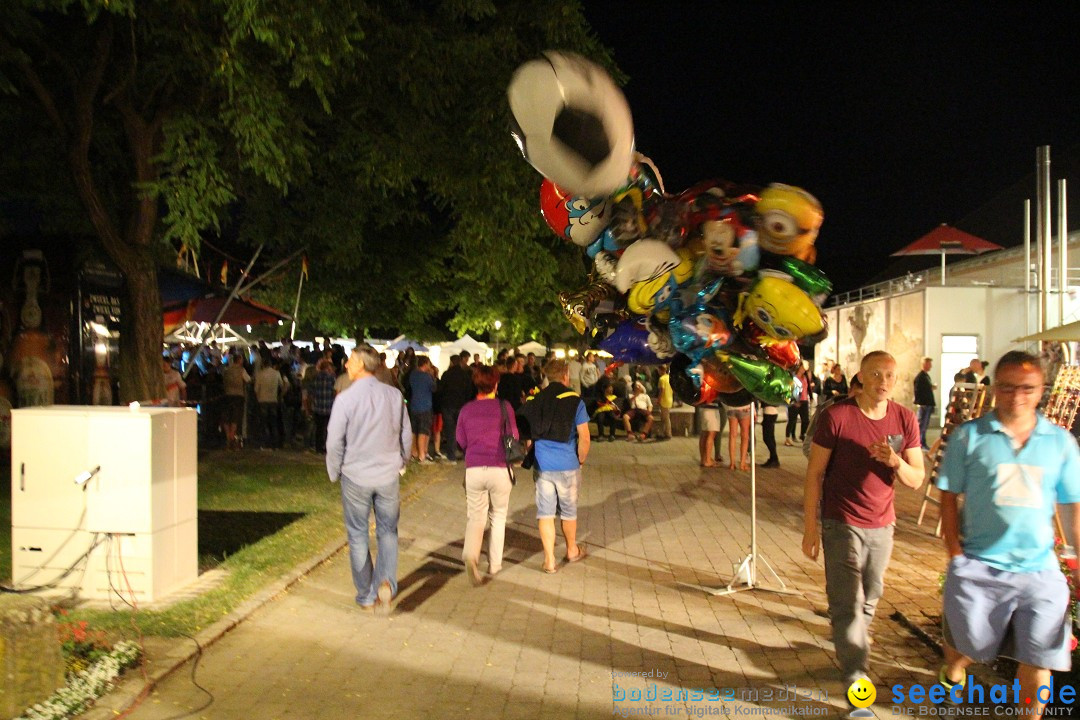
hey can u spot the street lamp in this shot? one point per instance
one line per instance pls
(498, 326)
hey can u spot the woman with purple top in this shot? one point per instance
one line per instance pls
(480, 426)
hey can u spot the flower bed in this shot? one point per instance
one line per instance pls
(86, 685)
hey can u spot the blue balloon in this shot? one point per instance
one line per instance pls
(606, 241)
(630, 342)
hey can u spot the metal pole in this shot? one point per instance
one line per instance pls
(1027, 266)
(942, 267)
(1042, 231)
(244, 290)
(1063, 239)
(228, 301)
(751, 570)
(296, 306)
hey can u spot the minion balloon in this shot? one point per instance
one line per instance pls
(780, 309)
(788, 221)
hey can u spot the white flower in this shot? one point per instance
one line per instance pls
(86, 686)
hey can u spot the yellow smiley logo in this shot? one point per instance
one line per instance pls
(862, 693)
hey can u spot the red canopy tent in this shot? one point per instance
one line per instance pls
(239, 312)
(946, 240)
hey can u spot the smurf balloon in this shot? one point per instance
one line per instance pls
(577, 219)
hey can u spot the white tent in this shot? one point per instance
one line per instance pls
(466, 342)
(532, 347)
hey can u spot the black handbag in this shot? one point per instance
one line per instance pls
(513, 449)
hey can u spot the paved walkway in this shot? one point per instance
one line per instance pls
(634, 617)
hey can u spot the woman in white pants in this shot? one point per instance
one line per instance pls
(488, 480)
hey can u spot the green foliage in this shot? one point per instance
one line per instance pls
(194, 181)
(421, 207)
(372, 134)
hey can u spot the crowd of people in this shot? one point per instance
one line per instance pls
(1012, 467)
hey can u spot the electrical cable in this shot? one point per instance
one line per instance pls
(146, 679)
(52, 584)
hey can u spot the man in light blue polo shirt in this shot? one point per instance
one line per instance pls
(367, 443)
(1012, 466)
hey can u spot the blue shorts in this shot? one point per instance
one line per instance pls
(556, 494)
(982, 603)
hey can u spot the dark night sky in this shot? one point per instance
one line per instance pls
(897, 120)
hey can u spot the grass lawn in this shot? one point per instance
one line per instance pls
(260, 513)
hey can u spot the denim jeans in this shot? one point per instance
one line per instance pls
(357, 501)
(925, 411)
(855, 563)
(270, 424)
(449, 433)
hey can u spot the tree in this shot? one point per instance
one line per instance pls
(156, 108)
(374, 133)
(421, 207)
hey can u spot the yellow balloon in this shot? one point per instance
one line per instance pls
(788, 221)
(780, 309)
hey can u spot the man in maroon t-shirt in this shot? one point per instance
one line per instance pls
(861, 447)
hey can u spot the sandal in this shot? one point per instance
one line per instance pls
(551, 571)
(580, 554)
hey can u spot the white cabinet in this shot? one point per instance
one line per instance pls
(138, 512)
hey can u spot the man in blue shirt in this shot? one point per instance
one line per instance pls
(422, 405)
(556, 421)
(1012, 466)
(366, 449)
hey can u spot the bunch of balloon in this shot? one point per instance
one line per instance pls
(717, 280)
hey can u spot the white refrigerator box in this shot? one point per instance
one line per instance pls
(140, 507)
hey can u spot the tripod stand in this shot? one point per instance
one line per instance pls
(746, 573)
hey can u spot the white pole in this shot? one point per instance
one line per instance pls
(296, 306)
(1042, 232)
(751, 570)
(1063, 238)
(1027, 267)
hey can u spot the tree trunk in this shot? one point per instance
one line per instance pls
(140, 372)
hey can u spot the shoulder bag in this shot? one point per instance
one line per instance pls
(513, 449)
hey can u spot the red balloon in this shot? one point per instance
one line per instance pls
(715, 380)
(577, 219)
(785, 354)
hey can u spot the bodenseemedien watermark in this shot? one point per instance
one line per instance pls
(715, 702)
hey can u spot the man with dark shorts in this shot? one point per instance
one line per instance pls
(1004, 591)
(862, 446)
(422, 406)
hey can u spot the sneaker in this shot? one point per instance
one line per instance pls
(438, 456)
(944, 682)
(427, 461)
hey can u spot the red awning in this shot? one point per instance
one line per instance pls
(948, 241)
(239, 312)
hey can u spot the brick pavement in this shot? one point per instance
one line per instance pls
(660, 530)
